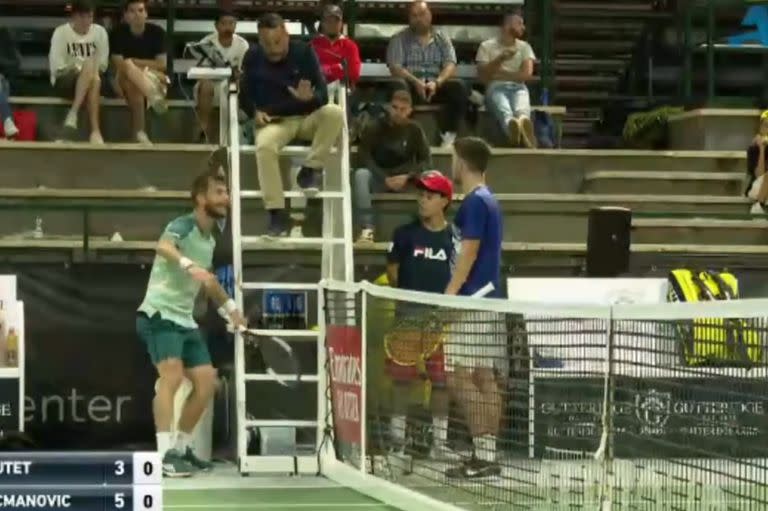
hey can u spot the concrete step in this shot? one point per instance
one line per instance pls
(710, 231)
(139, 214)
(147, 224)
(664, 182)
(173, 166)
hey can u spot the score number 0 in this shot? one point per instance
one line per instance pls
(147, 479)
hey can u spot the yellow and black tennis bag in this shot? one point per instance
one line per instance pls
(714, 342)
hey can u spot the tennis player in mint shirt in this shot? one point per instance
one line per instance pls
(477, 355)
(164, 321)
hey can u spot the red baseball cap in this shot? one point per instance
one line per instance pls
(435, 181)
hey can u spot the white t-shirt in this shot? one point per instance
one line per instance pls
(492, 48)
(70, 49)
(233, 53)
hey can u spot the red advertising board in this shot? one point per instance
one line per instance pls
(344, 345)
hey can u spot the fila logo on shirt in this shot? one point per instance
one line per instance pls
(429, 253)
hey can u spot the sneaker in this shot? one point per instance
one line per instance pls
(71, 120)
(296, 231)
(142, 138)
(277, 224)
(10, 128)
(96, 138)
(527, 135)
(474, 469)
(199, 464)
(513, 131)
(175, 465)
(448, 138)
(757, 209)
(366, 236)
(308, 180)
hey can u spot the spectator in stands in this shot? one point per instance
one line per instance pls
(78, 56)
(339, 55)
(10, 61)
(393, 151)
(6, 115)
(138, 55)
(504, 64)
(233, 48)
(757, 190)
(423, 60)
(286, 89)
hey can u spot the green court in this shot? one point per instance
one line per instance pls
(260, 499)
(226, 489)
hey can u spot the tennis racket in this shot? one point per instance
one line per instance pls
(279, 358)
(417, 339)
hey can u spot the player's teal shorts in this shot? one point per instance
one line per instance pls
(165, 339)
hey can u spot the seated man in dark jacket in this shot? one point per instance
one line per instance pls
(393, 151)
(286, 89)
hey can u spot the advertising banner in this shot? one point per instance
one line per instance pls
(654, 417)
(344, 345)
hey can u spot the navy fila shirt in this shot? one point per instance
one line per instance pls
(424, 257)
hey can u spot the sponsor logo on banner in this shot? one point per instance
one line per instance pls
(679, 412)
(344, 357)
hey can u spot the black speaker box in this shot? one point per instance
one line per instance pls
(608, 240)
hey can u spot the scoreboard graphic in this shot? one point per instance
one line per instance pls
(91, 481)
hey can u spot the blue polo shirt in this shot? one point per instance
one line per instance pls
(479, 218)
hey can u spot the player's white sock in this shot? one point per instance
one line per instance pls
(397, 430)
(183, 440)
(440, 431)
(164, 441)
(485, 447)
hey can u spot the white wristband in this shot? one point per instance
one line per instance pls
(185, 263)
(228, 308)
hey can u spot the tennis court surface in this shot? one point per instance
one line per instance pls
(225, 489)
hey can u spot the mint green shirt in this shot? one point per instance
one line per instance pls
(171, 291)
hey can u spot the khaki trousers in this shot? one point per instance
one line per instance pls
(321, 127)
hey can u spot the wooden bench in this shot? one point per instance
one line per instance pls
(714, 129)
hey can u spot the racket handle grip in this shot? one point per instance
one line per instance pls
(484, 291)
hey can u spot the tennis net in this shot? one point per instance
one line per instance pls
(493, 405)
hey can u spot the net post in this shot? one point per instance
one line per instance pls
(363, 379)
(531, 407)
(322, 378)
(605, 449)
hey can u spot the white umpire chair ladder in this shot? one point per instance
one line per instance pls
(336, 263)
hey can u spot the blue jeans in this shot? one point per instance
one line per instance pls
(507, 101)
(5, 92)
(364, 184)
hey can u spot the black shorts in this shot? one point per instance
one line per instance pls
(65, 84)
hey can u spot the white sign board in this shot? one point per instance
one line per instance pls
(7, 289)
(578, 345)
